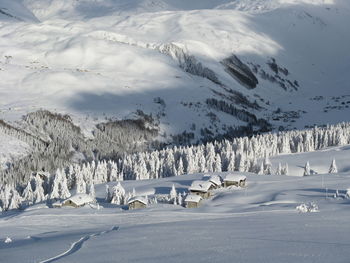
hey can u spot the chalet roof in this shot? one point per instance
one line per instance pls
(215, 179)
(80, 199)
(235, 178)
(141, 199)
(193, 198)
(200, 186)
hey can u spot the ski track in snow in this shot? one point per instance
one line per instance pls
(78, 244)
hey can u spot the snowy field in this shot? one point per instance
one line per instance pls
(258, 223)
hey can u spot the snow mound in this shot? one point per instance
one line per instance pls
(8, 240)
(307, 208)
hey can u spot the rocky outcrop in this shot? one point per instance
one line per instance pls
(240, 71)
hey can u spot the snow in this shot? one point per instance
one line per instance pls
(200, 186)
(235, 178)
(193, 198)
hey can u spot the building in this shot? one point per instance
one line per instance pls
(78, 200)
(236, 180)
(193, 201)
(201, 188)
(137, 202)
(216, 181)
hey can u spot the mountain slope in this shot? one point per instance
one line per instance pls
(220, 63)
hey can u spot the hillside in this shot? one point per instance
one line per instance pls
(251, 224)
(221, 64)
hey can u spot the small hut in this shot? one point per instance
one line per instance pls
(236, 180)
(137, 202)
(216, 181)
(201, 188)
(193, 201)
(78, 200)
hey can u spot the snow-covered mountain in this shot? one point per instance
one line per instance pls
(194, 68)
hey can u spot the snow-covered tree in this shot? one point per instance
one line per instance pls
(333, 168)
(267, 166)
(217, 164)
(28, 194)
(92, 193)
(108, 194)
(262, 169)
(307, 169)
(118, 195)
(55, 191)
(179, 199)
(285, 170)
(173, 194)
(15, 201)
(39, 192)
(80, 184)
(64, 187)
(279, 169)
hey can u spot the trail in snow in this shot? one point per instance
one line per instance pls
(77, 245)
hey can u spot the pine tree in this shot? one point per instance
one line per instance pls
(39, 192)
(118, 195)
(28, 194)
(279, 169)
(15, 201)
(261, 170)
(55, 192)
(217, 164)
(307, 169)
(179, 199)
(108, 194)
(333, 168)
(92, 193)
(180, 167)
(267, 166)
(285, 170)
(80, 184)
(231, 162)
(173, 194)
(64, 194)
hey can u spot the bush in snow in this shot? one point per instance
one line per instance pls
(307, 208)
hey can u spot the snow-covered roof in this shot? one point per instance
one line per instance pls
(215, 179)
(193, 198)
(80, 199)
(200, 186)
(141, 199)
(235, 178)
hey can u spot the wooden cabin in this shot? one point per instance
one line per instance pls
(236, 180)
(216, 181)
(193, 201)
(78, 200)
(201, 188)
(137, 202)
